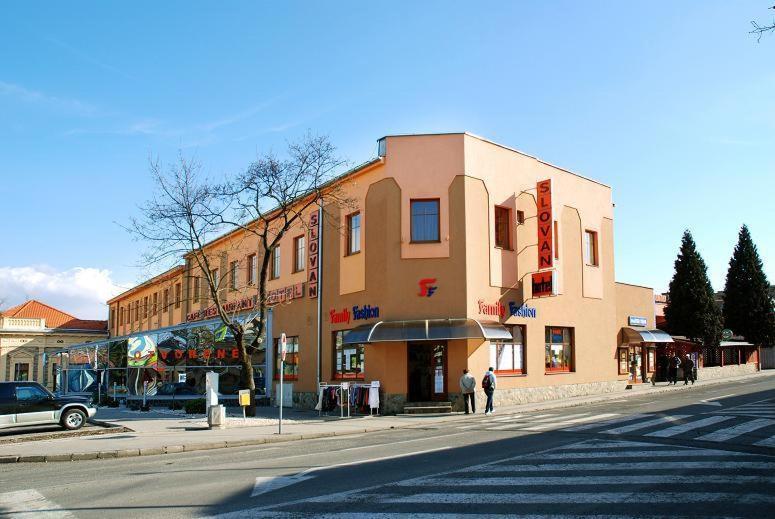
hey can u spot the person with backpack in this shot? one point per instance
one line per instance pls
(688, 366)
(468, 387)
(488, 384)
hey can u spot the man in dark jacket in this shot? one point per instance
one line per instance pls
(672, 370)
(687, 364)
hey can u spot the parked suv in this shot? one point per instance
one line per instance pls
(29, 403)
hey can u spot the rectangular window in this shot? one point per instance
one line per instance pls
(252, 269)
(197, 288)
(291, 359)
(276, 262)
(233, 275)
(556, 237)
(502, 227)
(178, 294)
(299, 253)
(165, 304)
(145, 307)
(590, 248)
(215, 275)
(137, 311)
(520, 217)
(21, 372)
(424, 221)
(354, 233)
(509, 357)
(623, 360)
(121, 316)
(559, 349)
(155, 307)
(348, 358)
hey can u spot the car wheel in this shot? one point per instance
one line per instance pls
(73, 419)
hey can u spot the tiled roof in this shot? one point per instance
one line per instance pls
(55, 318)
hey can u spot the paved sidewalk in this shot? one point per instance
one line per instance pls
(162, 432)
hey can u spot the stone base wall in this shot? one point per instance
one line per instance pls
(389, 404)
(735, 370)
(528, 395)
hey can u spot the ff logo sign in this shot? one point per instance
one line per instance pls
(427, 287)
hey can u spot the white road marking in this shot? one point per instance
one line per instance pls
(686, 427)
(768, 442)
(626, 465)
(718, 397)
(266, 484)
(731, 479)
(640, 454)
(623, 419)
(543, 427)
(723, 435)
(643, 425)
(575, 498)
(31, 503)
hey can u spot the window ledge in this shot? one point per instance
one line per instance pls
(558, 372)
(509, 374)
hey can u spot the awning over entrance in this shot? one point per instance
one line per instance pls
(427, 330)
(633, 336)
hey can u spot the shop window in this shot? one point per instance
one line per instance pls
(178, 294)
(623, 355)
(354, 233)
(502, 227)
(276, 262)
(348, 358)
(291, 359)
(21, 372)
(520, 217)
(559, 349)
(425, 221)
(299, 253)
(590, 248)
(509, 357)
(165, 304)
(252, 269)
(233, 275)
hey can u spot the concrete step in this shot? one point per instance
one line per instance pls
(427, 407)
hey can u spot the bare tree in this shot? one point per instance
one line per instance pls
(761, 30)
(186, 212)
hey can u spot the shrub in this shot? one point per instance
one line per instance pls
(196, 406)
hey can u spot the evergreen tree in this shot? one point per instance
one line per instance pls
(748, 309)
(691, 310)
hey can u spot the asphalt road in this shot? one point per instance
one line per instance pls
(709, 452)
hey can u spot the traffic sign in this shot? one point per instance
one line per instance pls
(284, 345)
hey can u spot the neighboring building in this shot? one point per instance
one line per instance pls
(30, 332)
(458, 253)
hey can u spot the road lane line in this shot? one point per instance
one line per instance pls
(723, 435)
(646, 479)
(640, 454)
(586, 498)
(768, 442)
(643, 425)
(686, 427)
(627, 465)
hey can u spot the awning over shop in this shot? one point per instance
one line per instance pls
(427, 330)
(633, 336)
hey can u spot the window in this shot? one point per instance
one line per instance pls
(509, 357)
(165, 300)
(30, 394)
(354, 233)
(590, 248)
(348, 358)
(145, 307)
(21, 372)
(276, 262)
(299, 253)
(559, 349)
(155, 308)
(502, 227)
(291, 359)
(197, 289)
(556, 238)
(215, 275)
(252, 269)
(520, 217)
(113, 319)
(424, 221)
(623, 355)
(178, 291)
(233, 275)
(121, 316)
(137, 310)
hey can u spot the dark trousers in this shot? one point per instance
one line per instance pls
(488, 407)
(688, 375)
(472, 398)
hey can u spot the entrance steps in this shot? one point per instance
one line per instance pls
(427, 407)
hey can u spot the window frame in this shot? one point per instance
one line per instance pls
(349, 221)
(197, 288)
(626, 351)
(165, 300)
(215, 274)
(522, 346)
(17, 371)
(145, 307)
(178, 294)
(292, 340)
(360, 352)
(507, 210)
(233, 272)
(299, 255)
(520, 217)
(594, 261)
(155, 303)
(276, 263)
(252, 269)
(438, 220)
(556, 239)
(571, 345)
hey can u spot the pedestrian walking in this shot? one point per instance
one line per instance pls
(488, 384)
(672, 370)
(688, 366)
(468, 388)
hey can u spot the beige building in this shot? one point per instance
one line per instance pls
(31, 331)
(456, 253)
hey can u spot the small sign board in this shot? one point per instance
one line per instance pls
(181, 377)
(283, 345)
(634, 320)
(244, 397)
(726, 334)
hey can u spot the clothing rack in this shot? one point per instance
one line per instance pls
(342, 392)
(373, 400)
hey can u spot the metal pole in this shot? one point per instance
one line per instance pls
(320, 290)
(282, 373)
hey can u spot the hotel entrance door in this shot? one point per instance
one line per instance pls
(427, 372)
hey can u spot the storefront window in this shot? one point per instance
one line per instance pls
(21, 372)
(291, 359)
(622, 355)
(509, 357)
(559, 349)
(348, 358)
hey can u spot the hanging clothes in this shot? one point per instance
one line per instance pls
(374, 398)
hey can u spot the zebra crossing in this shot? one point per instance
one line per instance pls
(749, 426)
(600, 478)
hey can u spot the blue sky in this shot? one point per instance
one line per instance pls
(670, 103)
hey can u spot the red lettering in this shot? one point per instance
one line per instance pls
(192, 354)
(220, 354)
(235, 353)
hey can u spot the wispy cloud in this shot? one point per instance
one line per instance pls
(64, 104)
(88, 59)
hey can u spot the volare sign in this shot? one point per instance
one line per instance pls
(495, 309)
(285, 294)
(313, 251)
(232, 306)
(522, 310)
(634, 320)
(357, 313)
(543, 283)
(545, 243)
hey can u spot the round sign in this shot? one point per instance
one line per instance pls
(726, 334)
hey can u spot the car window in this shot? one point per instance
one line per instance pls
(6, 391)
(30, 393)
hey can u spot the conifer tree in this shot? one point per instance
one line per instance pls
(691, 310)
(748, 308)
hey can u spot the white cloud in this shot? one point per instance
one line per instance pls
(64, 104)
(80, 291)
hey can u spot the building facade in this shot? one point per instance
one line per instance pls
(456, 252)
(29, 335)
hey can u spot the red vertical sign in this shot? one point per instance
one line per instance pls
(313, 256)
(545, 251)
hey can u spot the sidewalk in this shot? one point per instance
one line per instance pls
(163, 432)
